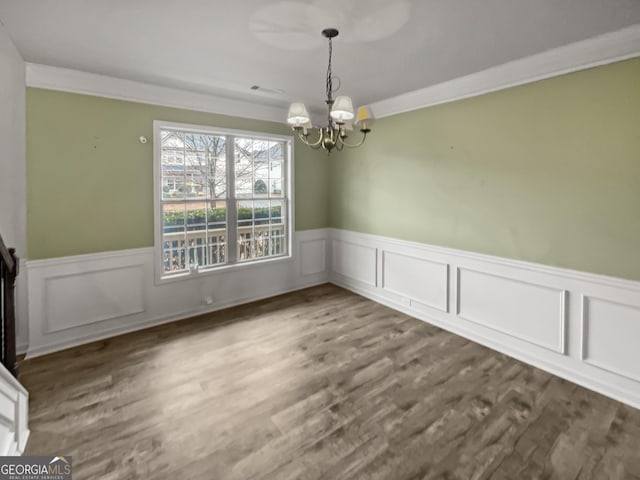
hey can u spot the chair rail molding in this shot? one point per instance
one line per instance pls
(580, 326)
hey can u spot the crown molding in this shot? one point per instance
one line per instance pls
(75, 81)
(601, 50)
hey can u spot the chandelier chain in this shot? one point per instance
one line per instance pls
(329, 75)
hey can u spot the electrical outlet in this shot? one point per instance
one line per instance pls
(208, 300)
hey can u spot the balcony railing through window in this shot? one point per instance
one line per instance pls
(199, 248)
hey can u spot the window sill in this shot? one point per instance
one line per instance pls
(211, 271)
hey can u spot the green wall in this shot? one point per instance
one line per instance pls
(547, 172)
(90, 180)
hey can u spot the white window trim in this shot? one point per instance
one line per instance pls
(160, 278)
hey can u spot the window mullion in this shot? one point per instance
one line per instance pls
(185, 250)
(232, 213)
(285, 209)
(206, 260)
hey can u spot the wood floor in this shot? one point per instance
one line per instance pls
(318, 384)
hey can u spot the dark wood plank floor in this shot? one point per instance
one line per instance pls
(318, 384)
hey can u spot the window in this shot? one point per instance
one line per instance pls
(222, 198)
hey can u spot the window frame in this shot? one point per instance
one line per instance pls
(234, 264)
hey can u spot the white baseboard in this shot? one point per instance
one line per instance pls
(80, 299)
(14, 426)
(579, 326)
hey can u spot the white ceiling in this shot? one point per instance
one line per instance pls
(385, 47)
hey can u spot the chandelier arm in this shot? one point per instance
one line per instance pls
(315, 145)
(349, 145)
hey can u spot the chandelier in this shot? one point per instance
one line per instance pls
(340, 118)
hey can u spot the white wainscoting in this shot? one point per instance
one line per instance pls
(610, 335)
(114, 292)
(22, 309)
(14, 402)
(579, 326)
(527, 311)
(355, 261)
(416, 279)
(313, 256)
(75, 300)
